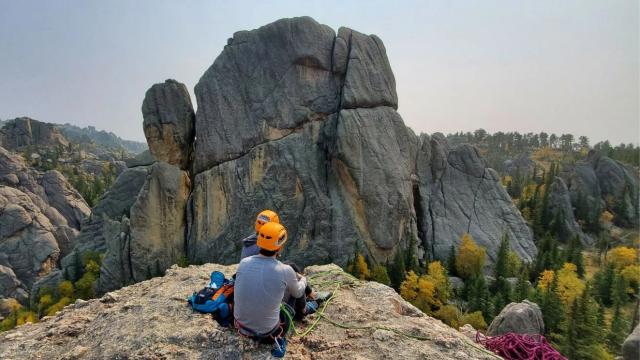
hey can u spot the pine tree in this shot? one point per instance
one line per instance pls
(501, 287)
(618, 331)
(380, 274)
(602, 281)
(521, 291)
(552, 308)
(619, 290)
(574, 255)
(478, 296)
(411, 260)
(451, 262)
(397, 270)
(582, 335)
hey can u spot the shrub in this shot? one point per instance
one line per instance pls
(474, 319)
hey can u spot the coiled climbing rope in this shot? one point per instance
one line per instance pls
(513, 346)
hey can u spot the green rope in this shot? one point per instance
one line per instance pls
(321, 315)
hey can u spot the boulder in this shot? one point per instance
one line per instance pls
(631, 346)
(169, 123)
(143, 159)
(520, 318)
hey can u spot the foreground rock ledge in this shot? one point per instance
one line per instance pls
(151, 320)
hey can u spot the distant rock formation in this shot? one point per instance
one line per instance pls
(602, 183)
(295, 118)
(24, 132)
(40, 216)
(561, 208)
(152, 320)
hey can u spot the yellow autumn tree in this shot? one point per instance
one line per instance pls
(437, 274)
(470, 258)
(569, 284)
(545, 280)
(65, 289)
(623, 256)
(362, 268)
(420, 292)
(631, 275)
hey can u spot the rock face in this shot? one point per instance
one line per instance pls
(154, 238)
(522, 166)
(631, 346)
(560, 207)
(459, 194)
(520, 318)
(169, 123)
(24, 132)
(295, 118)
(152, 320)
(600, 182)
(40, 216)
(115, 205)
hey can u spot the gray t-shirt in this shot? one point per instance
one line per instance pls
(249, 247)
(262, 283)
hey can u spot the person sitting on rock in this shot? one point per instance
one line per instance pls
(249, 247)
(262, 284)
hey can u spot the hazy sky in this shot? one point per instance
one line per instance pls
(555, 66)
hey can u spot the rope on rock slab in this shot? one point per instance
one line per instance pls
(320, 315)
(512, 346)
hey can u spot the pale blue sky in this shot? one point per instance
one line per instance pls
(557, 66)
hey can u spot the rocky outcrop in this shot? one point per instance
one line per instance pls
(40, 216)
(631, 346)
(169, 123)
(115, 205)
(561, 211)
(152, 320)
(522, 166)
(598, 183)
(154, 238)
(519, 318)
(459, 194)
(295, 118)
(26, 132)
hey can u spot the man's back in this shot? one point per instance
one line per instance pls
(261, 283)
(249, 247)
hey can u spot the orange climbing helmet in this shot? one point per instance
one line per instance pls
(272, 236)
(266, 216)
